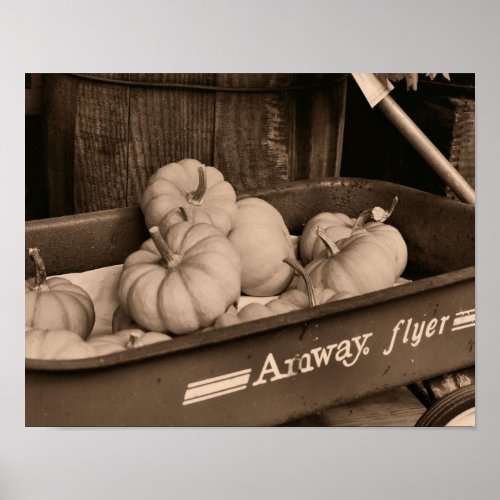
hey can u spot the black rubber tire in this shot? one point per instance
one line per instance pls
(445, 409)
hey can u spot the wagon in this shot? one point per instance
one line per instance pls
(274, 370)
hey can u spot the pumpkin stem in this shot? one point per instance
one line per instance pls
(133, 340)
(196, 197)
(330, 245)
(41, 273)
(171, 259)
(376, 214)
(185, 213)
(305, 276)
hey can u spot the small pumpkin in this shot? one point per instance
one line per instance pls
(362, 263)
(338, 226)
(56, 303)
(262, 241)
(56, 344)
(181, 214)
(130, 338)
(189, 182)
(180, 281)
(291, 300)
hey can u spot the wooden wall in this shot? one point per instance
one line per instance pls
(105, 134)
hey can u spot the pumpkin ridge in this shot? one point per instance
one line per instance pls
(56, 281)
(174, 173)
(127, 280)
(83, 302)
(175, 236)
(208, 240)
(207, 266)
(73, 322)
(221, 218)
(151, 188)
(204, 318)
(149, 247)
(364, 277)
(220, 204)
(221, 189)
(171, 199)
(192, 259)
(153, 319)
(187, 302)
(192, 234)
(30, 311)
(72, 289)
(355, 274)
(82, 299)
(56, 298)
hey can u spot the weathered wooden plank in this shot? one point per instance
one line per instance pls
(252, 138)
(59, 112)
(112, 135)
(319, 126)
(167, 125)
(262, 139)
(101, 146)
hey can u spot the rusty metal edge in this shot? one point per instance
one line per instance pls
(328, 181)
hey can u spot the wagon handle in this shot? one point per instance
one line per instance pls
(429, 152)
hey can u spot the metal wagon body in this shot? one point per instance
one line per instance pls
(278, 369)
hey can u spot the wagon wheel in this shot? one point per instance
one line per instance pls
(455, 409)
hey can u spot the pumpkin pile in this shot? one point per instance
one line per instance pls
(205, 250)
(355, 255)
(59, 317)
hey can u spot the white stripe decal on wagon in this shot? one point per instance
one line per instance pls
(464, 319)
(216, 386)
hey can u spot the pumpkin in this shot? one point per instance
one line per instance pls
(362, 263)
(291, 300)
(262, 241)
(55, 303)
(56, 344)
(180, 281)
(337, 226)
(130, 338)
(189, 182)
(181, 214)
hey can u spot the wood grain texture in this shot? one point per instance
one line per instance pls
(59, 104)
(395, 408)
(167, 125)
(106, 139)
(252, 140)
(101, 146)
(319, 117)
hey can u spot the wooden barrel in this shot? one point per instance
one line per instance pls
(107, 133)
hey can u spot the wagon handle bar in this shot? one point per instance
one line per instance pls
(424, 146)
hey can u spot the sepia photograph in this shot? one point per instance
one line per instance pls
(250, 249)
(254, 259)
